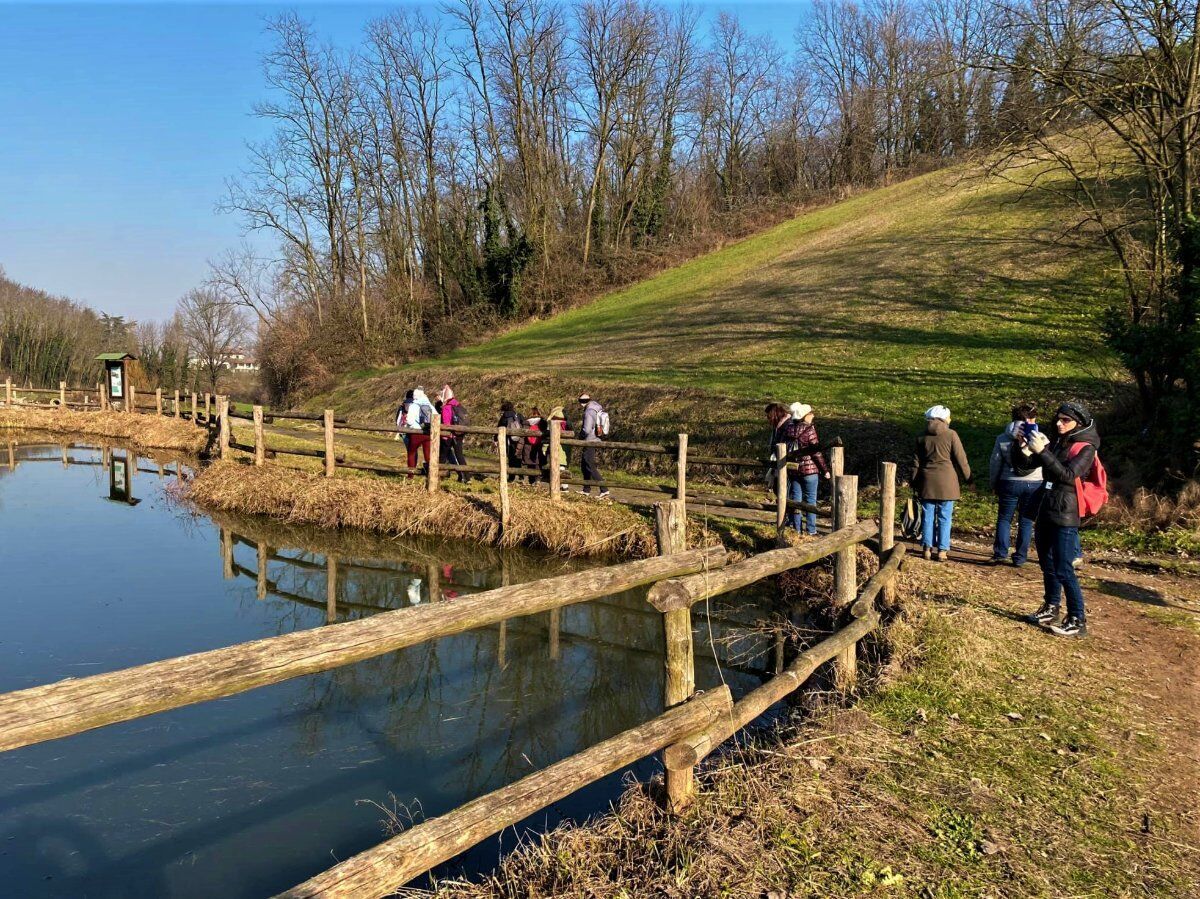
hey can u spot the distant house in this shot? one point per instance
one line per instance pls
(234, 360)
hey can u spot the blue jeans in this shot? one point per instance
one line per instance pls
(1056, 546)
(941, 513)
(1016, 497)
(803, 489)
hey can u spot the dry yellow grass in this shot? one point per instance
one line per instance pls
(148, 431)
(574, 527)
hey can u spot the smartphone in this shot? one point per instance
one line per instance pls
(1029, 428)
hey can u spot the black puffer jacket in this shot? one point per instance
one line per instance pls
(1057, 501)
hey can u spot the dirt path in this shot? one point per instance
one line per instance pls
(1145, 628)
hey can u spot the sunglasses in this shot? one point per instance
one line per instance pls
(1060, 420)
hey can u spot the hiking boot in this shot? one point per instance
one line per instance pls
(996, 560)
(604, 494)
(926, 553)
(943, 555)
(1071, 627)
(1044, 615)
(1018, 563)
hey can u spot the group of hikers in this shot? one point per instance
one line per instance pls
(1049, 482)
(527, 452)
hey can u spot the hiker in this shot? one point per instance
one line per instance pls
(420, 415)
(533, 449)
(782, 431)
(558, 419)
(452, 441)
(939, 463)
(594, 428)
(1072, 474)
(511, 419)
(1014, 491)
(402, 416)
(802, 486)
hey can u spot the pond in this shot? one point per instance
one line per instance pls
(246, 796)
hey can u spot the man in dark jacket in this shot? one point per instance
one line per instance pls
(1064, 459)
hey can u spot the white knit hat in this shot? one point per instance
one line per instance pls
(937, 412)
(799, 410)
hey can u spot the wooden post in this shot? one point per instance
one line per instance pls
(331, 574)
(670, 519)
(178, 411)
(502, 455)
(681, 468)
(781, 491)
(330, 462)
(101, 396)
(261, 592)
(845, 575)
(207, 409)
(8, 398)
(132, 400)
(193, 407)
(837, 468)
(887, 521)
(158, 401)
(227, 554)
(502, 645)
(555, 455)
(260, 449)
(12, 457)
(62, 394)
(66, 462)
(555, 627)
(433, 470)
(223, 414)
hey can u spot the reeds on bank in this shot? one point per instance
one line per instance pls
(147, 431)
(576, 526)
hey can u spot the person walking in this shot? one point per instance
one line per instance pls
(805, 445)
(939, 463)
(420, 415)
(1066, 461)
(452, 441)
(402, 417)
(532, 448)
(558, 419)
(1014, 491)
(594, 428)
(512, 420)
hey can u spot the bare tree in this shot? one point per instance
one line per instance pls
(213, 328)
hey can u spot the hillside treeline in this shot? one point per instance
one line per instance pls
(507, 158)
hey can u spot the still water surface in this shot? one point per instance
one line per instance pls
(246, 796)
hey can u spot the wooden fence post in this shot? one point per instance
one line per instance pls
(845, 575)
(331, 575)
(8, 398)
(101, 396)
(132, 399)
(433, 470)
(260, 449)
(887, 521)
(261, 586)
(62, 394)
(670, 519)
(207, 409)
(502, 456)
(223, 415)
(178, 411)
(194, 407)
(681, 468)
(330, 462)
(227, 554)
(837, 468)
(158, 401)
(781, 491)
(555, 455)
(555, 630)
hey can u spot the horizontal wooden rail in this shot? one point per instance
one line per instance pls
(390, 865)
(685, 592)
(72, 706)
(880, 579)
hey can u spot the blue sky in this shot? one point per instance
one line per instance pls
(119, 124)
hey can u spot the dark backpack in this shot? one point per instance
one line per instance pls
(458, 415)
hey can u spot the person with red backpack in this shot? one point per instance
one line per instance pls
(1074, 488)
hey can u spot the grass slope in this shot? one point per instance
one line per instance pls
(945, 288)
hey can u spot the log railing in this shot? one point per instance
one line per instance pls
(692, 726)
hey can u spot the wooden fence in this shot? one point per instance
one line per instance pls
(214, 412)
(691, 728)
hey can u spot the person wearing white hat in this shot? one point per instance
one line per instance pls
(805, 446)
(939, 463)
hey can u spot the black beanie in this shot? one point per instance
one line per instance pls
(1077, 411)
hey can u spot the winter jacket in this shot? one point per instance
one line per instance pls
(534, 424)
(939, 461)
(448, 409)
(802, 435)
(1057, 502)
(1000, 466)
(590, 413)
(420, 410)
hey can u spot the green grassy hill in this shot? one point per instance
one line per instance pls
(948, 288)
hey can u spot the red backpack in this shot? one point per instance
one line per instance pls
(1091, 490)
